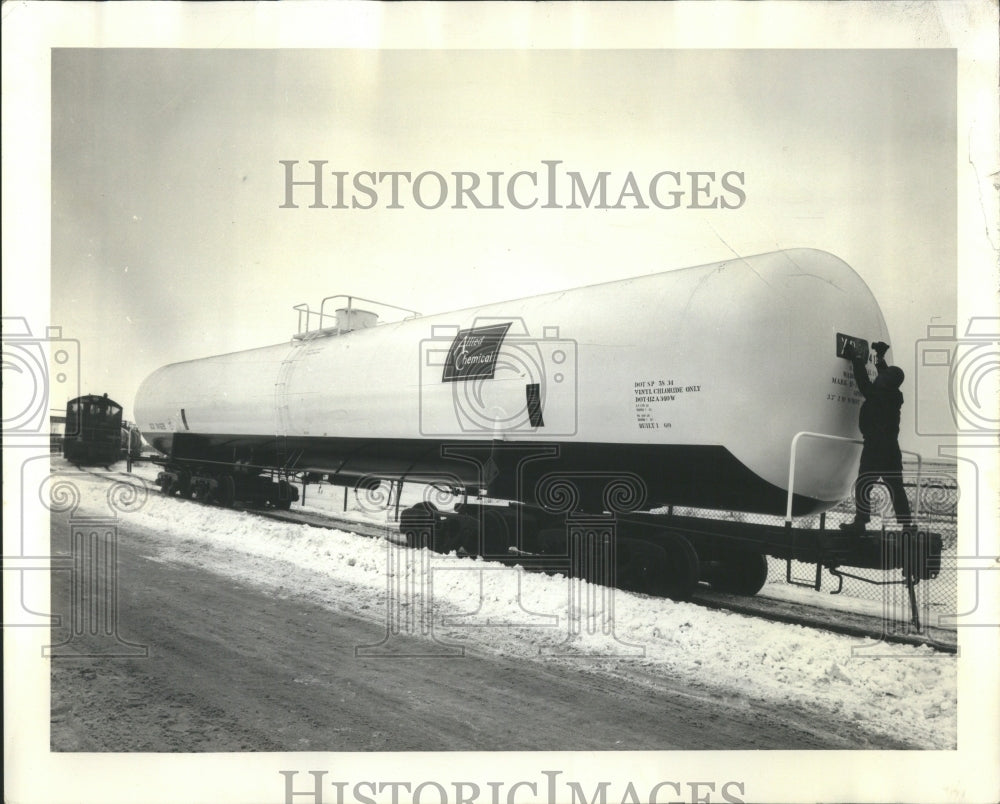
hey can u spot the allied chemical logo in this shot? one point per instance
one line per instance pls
(473, 353)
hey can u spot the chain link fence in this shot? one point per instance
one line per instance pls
(933, 493)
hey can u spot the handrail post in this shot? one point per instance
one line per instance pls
(322, 311)
(791, 479)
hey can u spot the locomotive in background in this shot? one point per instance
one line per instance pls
(92, 432)
(683, 388)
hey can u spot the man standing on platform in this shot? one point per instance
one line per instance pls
(879, 425)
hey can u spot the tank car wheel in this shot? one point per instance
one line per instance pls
(667, 569)
(200, 491)
(499, 532)
(182, 486)
(417, 520)
(739, 572)
(227, 491)
(459, 533)
(284, 498)
(681, 572)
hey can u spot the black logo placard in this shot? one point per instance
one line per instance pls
(473, 353)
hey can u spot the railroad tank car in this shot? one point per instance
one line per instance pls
(693, 382)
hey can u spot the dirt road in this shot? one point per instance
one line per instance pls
(233, 667)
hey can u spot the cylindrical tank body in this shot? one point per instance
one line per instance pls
(694, 381)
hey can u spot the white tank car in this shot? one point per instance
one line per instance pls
(693, 382)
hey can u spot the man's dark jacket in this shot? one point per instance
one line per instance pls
(879, 417)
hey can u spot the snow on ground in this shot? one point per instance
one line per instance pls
(898, 690)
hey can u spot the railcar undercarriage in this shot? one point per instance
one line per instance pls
(660, 554)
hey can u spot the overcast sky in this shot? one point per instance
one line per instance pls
(169, 241)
